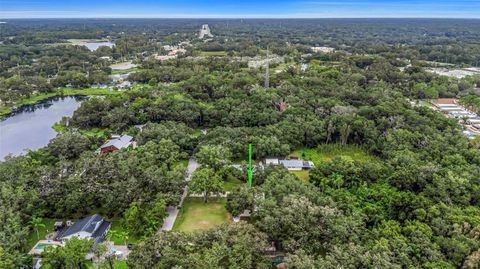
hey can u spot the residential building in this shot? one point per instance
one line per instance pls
(290, 164)
(92, 227)
(116, 143)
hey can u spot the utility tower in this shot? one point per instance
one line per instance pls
(250, 170)
(267, 71)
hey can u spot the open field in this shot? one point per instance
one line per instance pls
(210, 53)
(126, 71)
(326, 152)
(196, 215)
(303, 175)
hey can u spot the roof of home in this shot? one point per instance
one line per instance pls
(87, 224)
(296, 163)
(100, 231)
(292, 163)
(119, 143)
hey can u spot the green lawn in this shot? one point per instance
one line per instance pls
(210, 53)
(32, 237)
(96, 132)
(116, 264)
(303, 175)
(196, 215)
(426, 103)
(197, 133)
(86, 91)
(231, 184)
(126, 71)
(326, 152)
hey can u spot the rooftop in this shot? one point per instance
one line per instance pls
(119, 143)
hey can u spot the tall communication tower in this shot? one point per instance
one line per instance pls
(267, 71)
(250, 172)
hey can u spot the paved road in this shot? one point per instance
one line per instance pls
(173, 210)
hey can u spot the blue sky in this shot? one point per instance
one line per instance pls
(239, 9)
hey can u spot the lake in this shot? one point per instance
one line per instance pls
(93, 46)
(30, 127)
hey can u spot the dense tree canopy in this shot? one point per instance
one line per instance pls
(414, 202)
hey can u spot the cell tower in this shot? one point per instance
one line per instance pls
(267, 71)
(250, 172)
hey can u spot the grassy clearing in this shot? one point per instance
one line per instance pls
(96, 132)
(42, 231)
(116, 264)
(211, 53)
(196, 215)
(425, 103)
(326, 152)
(86, 91)
(303, 175)
(197, 133)
(126, 71)
(231, 184)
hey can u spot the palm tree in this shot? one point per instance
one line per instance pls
(124, 235)
(37, 223)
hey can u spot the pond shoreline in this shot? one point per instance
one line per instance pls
(9, 111)
(30, 128)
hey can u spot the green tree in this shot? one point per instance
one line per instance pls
(239, 200)
(213, 156)
(206, 182)
(37, 224)
(72, 255)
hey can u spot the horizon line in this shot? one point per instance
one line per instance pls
(243, 18)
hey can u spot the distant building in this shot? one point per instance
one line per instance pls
(205, 32)
(116, 143)
(322, 49)
(291, 164)
(92, 227)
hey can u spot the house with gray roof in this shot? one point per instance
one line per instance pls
(92, 227)
(116, 143)
(293, 164)
(296, 164)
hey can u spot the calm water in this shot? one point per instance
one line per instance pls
(93, 46)
(31, 126)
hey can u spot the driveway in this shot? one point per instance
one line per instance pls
(173, 210)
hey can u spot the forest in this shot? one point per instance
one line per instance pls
(411, 201)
